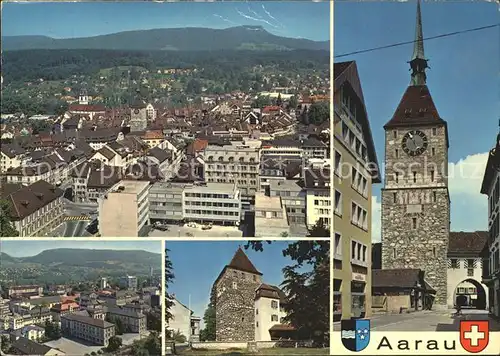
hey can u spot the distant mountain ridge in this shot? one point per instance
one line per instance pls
(75, 257)
(171, 39)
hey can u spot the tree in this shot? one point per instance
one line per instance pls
(119, 327)
(5, 346)
(293, 103)
(114, 344)
(153, 344)
(52, 331)
(319, 230)
(179, 337)
(208, 333)
(153, 321)
(169, 278)
(319, 112)
(7, 228)
(279, 101)
(262, 101)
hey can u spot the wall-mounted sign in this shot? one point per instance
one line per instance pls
(359, 277)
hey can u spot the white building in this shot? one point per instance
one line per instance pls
(213, 202)
(270, 216)
(184, 321)
(269, 311)
(124, 211)
(129, 282)
(465, 269)
(491, 188)
(318, 197)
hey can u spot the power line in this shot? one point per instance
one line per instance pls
(409, 42)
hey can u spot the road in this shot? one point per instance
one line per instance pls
(428, 320)
(75, 228)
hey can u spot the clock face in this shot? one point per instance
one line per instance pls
(414, 143)
(136, 111)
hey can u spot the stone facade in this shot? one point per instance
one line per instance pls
(235, 316)
(416, 206)
(138, 118)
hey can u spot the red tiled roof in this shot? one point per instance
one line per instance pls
(87, 108)
(463, 244)
(282, 327)
(415, 108)
(271, 108)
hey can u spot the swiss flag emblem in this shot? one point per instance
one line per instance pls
(474, 335)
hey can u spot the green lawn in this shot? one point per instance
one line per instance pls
(272, 351)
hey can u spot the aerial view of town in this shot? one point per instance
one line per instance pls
(80, 298)
(184, 120)
(416, 240)
(263, 298)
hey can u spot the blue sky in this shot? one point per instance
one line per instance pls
(305, 19)
(198, 264)
(463, 81)
(32, 248)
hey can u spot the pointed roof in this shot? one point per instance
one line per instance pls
(418, 45)
(418, 62)
(241, 262)
(416, 108)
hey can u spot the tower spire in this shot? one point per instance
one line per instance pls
(418, 62)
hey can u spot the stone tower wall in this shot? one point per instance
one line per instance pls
(425, 245)
(235, 307)
(138, 122)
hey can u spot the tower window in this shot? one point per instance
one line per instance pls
(414, 177)
(394, 197)
(433, 151)
(414, 223)
(434, 197)
(394, 253)
(395, 134)
(397, 153)
(434, 251)
(432, 176)
(396, 176)
(434, 131)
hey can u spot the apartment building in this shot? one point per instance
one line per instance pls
(184, 321)
(235, 163)
(318, 196)
(133, 321)
(270, 216)
(92, 180)
(352, 181)
(96, 331)
(165, 202)
(25, 291)
(11, 156)
(218, 203)
(129, 282)
(36, 209)
(491, 264)
(293, 197)
(124, 211)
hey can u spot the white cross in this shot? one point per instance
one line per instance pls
(474, 335)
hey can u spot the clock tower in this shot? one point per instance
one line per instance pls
(138, 114)
(415, 199)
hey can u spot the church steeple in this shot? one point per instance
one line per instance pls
(418, 62)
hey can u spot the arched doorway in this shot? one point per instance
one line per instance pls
(470, 294)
